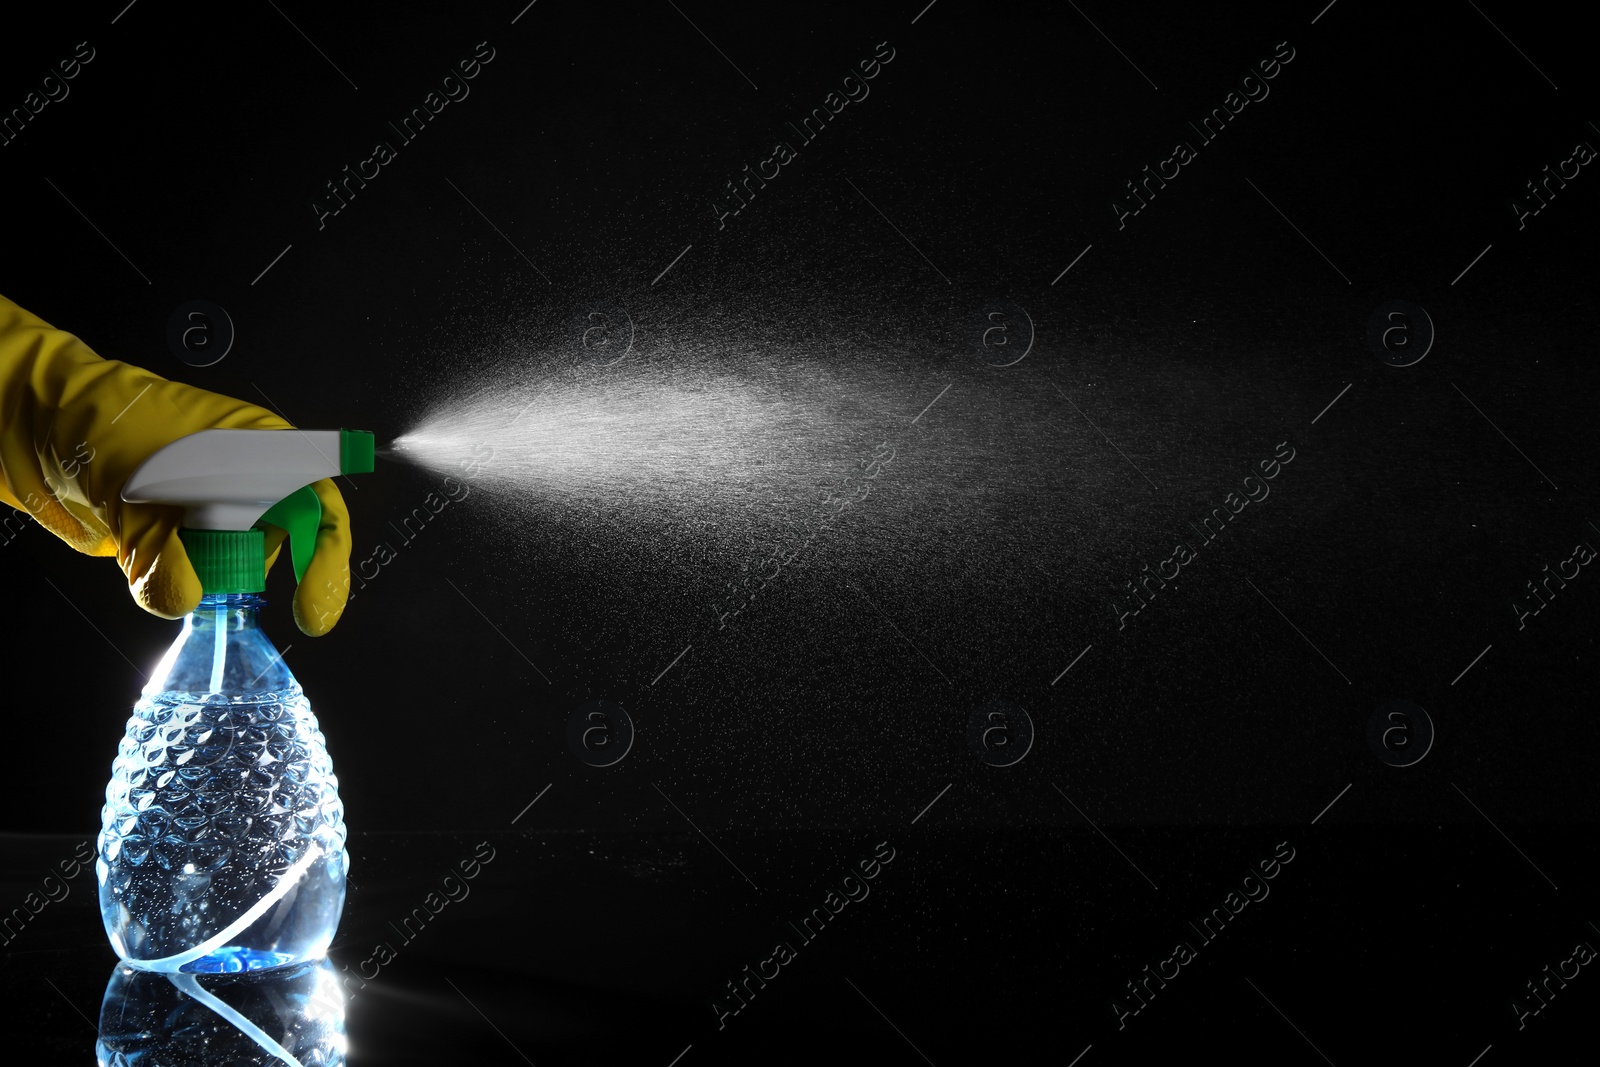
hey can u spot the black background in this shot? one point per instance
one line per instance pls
(1197, 338)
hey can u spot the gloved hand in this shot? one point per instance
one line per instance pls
(74, 426)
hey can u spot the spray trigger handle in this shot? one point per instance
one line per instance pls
(299, 515)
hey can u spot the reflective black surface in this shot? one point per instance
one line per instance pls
(289, 1014)
(1372, 944)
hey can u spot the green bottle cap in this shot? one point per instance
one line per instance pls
(227, 561)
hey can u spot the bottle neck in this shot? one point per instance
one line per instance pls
(238, 610)
(222, 650)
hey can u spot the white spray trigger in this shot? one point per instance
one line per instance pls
(227, 479)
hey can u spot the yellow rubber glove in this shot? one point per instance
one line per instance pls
(74, 426)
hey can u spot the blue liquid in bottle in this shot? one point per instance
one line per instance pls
(222, 841)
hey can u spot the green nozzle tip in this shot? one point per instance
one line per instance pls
(356, 448)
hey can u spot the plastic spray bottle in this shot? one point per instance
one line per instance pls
(222, 841)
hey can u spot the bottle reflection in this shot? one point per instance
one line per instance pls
(290, 1016)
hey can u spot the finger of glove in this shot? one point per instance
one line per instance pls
(88, 537)
(160, 577)
(320, 598)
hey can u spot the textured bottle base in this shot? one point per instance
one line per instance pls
(222, 839)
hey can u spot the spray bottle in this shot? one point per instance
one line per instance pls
(222, 841)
